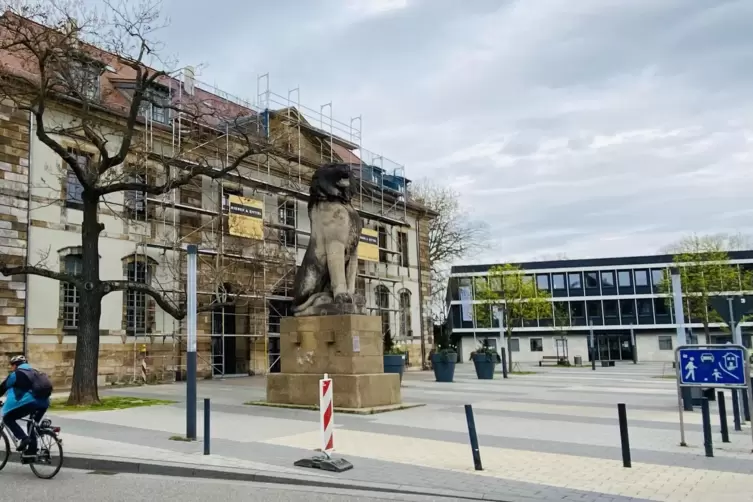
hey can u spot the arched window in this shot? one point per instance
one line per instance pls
(405, 314)
(383, 306)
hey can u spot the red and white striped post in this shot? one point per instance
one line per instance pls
(326, 415)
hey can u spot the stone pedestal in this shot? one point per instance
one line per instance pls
(348, 348)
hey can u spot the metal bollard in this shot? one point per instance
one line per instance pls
(207, 429)
(723, 416)
(474, 438)
(624, 436)
(707, 440)
(736, 410)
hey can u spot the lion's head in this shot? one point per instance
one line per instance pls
(332, 183)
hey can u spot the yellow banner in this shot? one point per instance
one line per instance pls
(368, 245)
(246, 218)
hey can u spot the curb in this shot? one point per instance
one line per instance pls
(156, 468)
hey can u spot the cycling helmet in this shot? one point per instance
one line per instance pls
(18, 359)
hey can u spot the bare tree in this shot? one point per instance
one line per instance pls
(454, 234)
(48, 49)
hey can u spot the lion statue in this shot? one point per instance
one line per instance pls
(325, 283)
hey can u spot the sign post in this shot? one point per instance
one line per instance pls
(713, 365)
(591, 342)
(191, 342)
(504, 346)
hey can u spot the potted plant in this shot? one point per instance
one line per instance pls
(394, 360)
(443, 363)
(484, 360)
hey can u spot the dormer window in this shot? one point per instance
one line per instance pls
(154, 105)
(79, 78)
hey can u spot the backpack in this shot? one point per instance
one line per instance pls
(39, 383)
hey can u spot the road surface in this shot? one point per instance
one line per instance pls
(18, 481)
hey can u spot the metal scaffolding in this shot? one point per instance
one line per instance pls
(296, 140)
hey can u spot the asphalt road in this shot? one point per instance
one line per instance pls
(70, 484)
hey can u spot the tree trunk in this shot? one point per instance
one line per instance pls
(84, 387)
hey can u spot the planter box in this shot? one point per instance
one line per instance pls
(394, 363)
(444, 368)
(484, 365)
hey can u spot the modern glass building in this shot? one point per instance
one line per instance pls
(619, 297)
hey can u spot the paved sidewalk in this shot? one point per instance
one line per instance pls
(548, 436)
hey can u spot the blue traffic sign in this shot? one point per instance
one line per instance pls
(713, 366)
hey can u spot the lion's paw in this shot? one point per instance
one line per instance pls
(343, 298)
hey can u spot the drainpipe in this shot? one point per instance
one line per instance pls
(420, 293)
(28, 237)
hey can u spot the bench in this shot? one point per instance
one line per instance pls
(556, 360)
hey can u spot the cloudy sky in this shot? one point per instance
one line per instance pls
(588, 127)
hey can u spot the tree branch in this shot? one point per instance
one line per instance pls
(177, 312)
(41, 272)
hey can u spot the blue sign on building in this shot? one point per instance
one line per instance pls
(712, 366)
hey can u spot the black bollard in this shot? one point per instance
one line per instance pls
(474, 438)
(624, 437)
(687, 398)
(707, 440)
(504, 363)
(206, 427)
(736, 410)
(746, 405)
(723, 416)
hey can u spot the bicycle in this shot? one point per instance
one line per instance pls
(43, 431)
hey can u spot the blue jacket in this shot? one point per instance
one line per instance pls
(17, 397)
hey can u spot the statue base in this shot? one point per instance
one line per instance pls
(346, 347)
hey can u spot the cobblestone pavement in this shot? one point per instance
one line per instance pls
(552, 435)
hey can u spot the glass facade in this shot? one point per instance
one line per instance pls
(606, 296)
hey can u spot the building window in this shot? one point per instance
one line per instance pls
(627, 307)
(592, 280)
(641, 278)
(405, 314)
(74, 190)
(383, 304)
(156, 101)
(644, 308)
(84, 79)
(134, 200)
(514, 344)
(594, 308)
(607, 279)
(575, 280)
(577, 310)
(657, 276)
(286, 215)
(136, 307)
(542, 282)
(660, 307)
(624, 278)
(495, 283)
(402, 249)
(226, 193)
(665, 342)
(527, 279)
(558, 281)
(537, 345)
(73, 265)
(382, 238)
(610, 308)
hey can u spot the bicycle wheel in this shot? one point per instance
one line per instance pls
(4, 449)
(45, 466)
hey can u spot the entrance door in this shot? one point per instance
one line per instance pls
(223, 347)
(614, 347)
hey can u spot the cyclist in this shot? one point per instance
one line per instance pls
(21, 403)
